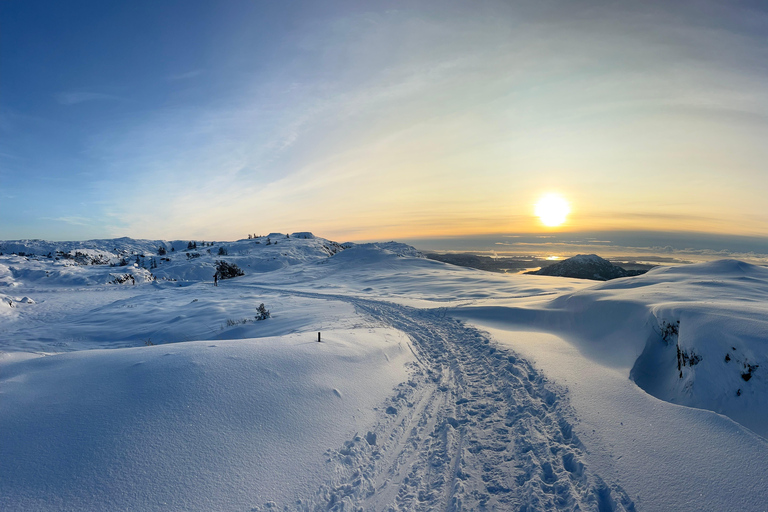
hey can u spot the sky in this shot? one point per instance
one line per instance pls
(380, 119)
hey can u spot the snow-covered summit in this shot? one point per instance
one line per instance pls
(376, 252)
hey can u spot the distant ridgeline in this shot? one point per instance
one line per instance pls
(586, 266)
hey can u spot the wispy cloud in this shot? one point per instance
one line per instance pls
(73, 220)
(75, 97)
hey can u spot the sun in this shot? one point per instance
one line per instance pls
(552, 209)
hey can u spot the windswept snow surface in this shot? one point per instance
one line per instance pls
(434, 387)
(190, 426)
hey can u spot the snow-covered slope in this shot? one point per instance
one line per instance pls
(705, 339)
(226, 425)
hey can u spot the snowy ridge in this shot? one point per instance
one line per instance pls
(166, 260)
(364, 254)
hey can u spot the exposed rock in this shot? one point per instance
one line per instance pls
(586, 266)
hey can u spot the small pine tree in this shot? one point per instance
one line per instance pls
(263, 312)
(161, 251)
(223, 251)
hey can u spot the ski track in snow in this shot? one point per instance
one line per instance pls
(475, 428)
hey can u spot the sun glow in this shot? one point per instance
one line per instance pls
(552, 209)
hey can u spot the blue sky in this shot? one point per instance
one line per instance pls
(362, 120)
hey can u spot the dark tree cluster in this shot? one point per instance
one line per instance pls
(227, 270)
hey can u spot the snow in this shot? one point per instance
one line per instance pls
(434, 386)
(200, 425)
(663, 455)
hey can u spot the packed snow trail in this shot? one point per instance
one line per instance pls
(475, 428)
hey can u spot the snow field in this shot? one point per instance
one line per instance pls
(404, 408)
(188, 426)
(119, 317)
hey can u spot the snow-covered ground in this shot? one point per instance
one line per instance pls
(435, 387)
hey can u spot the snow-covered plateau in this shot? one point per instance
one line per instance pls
(129, 380)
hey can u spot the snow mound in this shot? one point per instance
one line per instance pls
(225, 425)
(726, 267)
(695, 335)
(6, 276)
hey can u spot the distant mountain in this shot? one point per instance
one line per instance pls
(586, 266)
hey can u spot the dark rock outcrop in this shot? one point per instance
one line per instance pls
(586, 266)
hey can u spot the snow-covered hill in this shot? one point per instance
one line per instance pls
(125, 260)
